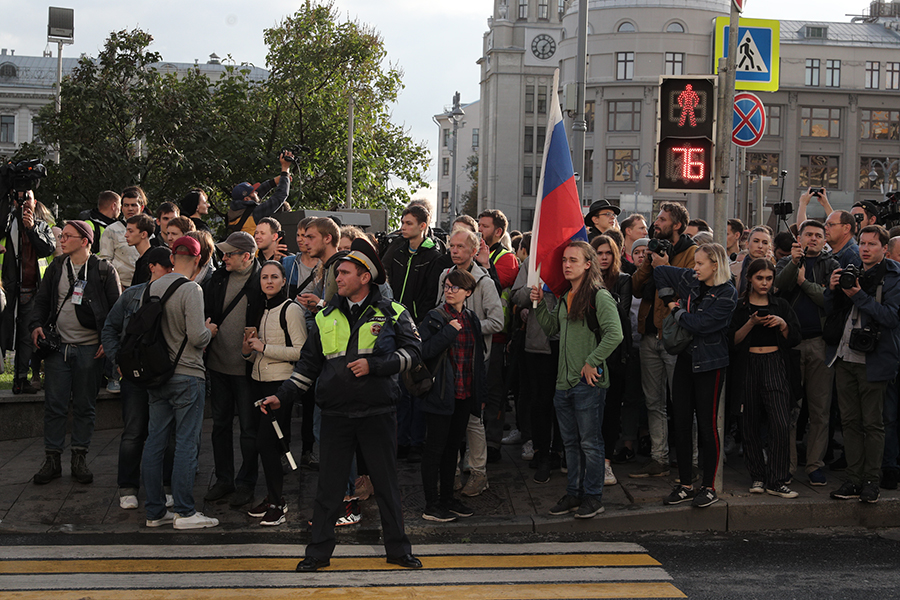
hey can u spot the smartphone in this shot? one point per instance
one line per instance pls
(599, 374)
(478, 235)
(816, 191)
(249, 332)
(763, 312)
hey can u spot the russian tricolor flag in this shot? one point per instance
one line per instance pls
(557, 215)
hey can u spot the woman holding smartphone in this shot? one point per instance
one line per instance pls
(706, 302)
(587, 321)
(763, 330)
(273, 346)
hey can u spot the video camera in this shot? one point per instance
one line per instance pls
(295, 149)
(888, 213)
(22, 176)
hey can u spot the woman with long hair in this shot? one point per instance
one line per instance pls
(273, 346)
(759, 245)
(763, 329)
(587, 321)
(619, 285)
(706, 303)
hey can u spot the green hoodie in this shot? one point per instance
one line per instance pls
(577, 343)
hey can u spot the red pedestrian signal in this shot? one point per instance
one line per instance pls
(686, 123)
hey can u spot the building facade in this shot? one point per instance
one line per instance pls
(834, 120)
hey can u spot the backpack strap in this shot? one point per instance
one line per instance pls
(283, 320)
(162, 302)
(248, 212)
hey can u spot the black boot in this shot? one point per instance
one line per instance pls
(50, 470)
(80, 471)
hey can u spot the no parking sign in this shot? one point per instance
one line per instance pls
(749, 123)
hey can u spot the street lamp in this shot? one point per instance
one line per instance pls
(636, 175)
(886, 169)
(456, 116)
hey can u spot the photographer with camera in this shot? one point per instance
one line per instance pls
(865, 213)
(246, 209)
(668, 246)
(26, 244)
(864, 349)
(801, 279)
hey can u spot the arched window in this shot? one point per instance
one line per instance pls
(8, 70)
(626, 27)
(675, 27)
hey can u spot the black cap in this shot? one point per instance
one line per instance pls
(597, 207)
(363, 253)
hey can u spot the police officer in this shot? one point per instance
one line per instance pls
(358, 346)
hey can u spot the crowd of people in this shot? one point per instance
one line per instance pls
(417, 350)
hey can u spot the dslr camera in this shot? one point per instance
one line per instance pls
(658, 246)
(848, 277)
(667, 295)
(864, 339)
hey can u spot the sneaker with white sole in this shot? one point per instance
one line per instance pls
(610, 477)
(166, 519)
(512, 438)
(757, 487)
(128, 502)
(114, 387)
(679, 494)
(276, 515)
(196, 521)
(705, 497)
(781, 490)
(351, 515)
(528, 450)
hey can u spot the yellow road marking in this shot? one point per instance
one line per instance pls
(573, 591)
(214, 565)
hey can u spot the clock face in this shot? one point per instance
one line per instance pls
(543, 46)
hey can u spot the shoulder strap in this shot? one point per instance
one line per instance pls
(306, 281)
(175, 285)
(231, 305)
(443, 312)
(283, 320)
(248, 212)
(103, 266)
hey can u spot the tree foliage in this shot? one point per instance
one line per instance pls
(125, 122)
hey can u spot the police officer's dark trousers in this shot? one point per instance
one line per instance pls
(376, 436)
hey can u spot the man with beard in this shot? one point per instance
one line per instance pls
(657, 365)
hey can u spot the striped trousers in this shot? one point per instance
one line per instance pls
(767, 401)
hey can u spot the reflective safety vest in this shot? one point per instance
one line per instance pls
(335, 330)
(505, 293)
(42, 263)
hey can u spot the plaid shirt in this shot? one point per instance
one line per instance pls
(462, 355)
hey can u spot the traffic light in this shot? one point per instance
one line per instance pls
(686, 128)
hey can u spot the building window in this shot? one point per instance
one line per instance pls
(527, 219)
(674, 63)
(541, 139)
(892, 76)
(832, 73)
(445, 167)
(820, 122)
(873, 70)
(529, 98)
(588, 175)
(812, 72)
(816, 33)
(445, 202)
(762, 164)
(35, 130)
(819, 171)
(675, 28)
(528, 182)
(523, 9)
(542, 100)
(589, 115)
(7, 129)
(624, 116)
(867, 165)
(626, 27)
(880, 124)
(8, 70)
(529, 139)
(445, 136)
(543, 9)
(624, 66)
(475, 134)
(773, 120)
(620, 164)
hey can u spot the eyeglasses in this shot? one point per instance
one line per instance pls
(830, 224)
(451, 288)
(608, 214)
(65, 236)
(235, 253)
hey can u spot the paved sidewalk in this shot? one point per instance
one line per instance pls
(514, 503)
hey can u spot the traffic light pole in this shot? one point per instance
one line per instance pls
(723, 137)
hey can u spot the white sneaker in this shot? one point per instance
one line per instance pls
(170, 501)
(169, 517)
(514, 437)
(196, 521)
(528, 450)
(610, 478)
(128, 502)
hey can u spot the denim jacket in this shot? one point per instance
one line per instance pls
(709, 318)
(117, 319)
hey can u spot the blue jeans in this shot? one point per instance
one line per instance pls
(233, 394)
(74, 373)
(891, 441)
(179, 400)
(136, 418)
(579, 411)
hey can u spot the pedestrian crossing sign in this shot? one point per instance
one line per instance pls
(757, 60)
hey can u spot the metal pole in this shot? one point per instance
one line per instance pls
(348, 204)
(579, 125)
(59, 77)
(726, 112)
(453, 213)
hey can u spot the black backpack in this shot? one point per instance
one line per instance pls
(144, 356)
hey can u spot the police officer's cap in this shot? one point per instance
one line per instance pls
(363, 253)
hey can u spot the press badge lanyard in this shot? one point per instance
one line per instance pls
(77, 285)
